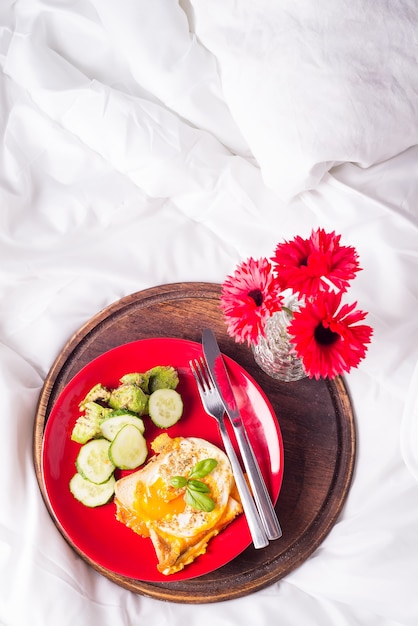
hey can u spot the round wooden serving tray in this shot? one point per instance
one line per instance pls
(315, 418)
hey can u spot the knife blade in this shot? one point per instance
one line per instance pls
(221, 380)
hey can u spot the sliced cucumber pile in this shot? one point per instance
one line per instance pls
(111, 429)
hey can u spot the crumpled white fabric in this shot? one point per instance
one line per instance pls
(409, 427)
(279, 59)
(124, 164)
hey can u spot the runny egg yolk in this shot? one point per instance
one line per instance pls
(155, 501)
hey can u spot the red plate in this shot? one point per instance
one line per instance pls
(95, 532)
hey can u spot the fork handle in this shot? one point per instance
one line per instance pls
(255, 525)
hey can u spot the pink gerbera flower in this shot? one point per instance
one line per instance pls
(248, 298)
(328, 338)
(310, 265)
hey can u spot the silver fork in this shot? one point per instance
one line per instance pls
(214, 407)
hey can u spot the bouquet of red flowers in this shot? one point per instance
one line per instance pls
(325, 333)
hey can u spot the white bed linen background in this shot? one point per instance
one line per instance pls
(149, 143)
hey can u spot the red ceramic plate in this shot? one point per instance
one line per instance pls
(95, 532)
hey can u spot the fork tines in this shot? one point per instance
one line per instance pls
(200, 372)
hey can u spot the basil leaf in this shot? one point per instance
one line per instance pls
(199, 501)
(197, 485)
(203, 468)
(178, 482)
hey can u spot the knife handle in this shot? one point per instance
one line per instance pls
(255, 524)
(258, 486)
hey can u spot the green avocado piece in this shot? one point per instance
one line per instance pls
(162, 377)
(129, 396)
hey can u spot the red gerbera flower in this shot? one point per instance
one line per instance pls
(327, 338)
(248, 298)
(310, 265)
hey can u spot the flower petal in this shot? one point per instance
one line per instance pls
(311, 265)
(248, 298)
(327, 359)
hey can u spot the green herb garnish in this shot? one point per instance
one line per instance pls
(197, 491)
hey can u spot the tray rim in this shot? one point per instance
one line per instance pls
(268, 574)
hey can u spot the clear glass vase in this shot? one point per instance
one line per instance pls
(274, 353)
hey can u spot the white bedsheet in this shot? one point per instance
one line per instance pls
(149, 143)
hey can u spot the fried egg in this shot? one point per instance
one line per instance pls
(147, 503)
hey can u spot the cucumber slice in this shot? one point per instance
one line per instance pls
(129, 449)
(89, 493)
(165, 407)
(93, 461)
(112, 425)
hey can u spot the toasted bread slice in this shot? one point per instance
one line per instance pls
(146, 503)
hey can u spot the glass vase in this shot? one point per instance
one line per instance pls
(274, 353)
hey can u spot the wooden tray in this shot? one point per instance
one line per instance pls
(315, 418)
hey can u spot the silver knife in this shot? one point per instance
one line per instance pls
(220, 377)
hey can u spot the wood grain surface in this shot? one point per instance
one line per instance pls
(315, 418)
